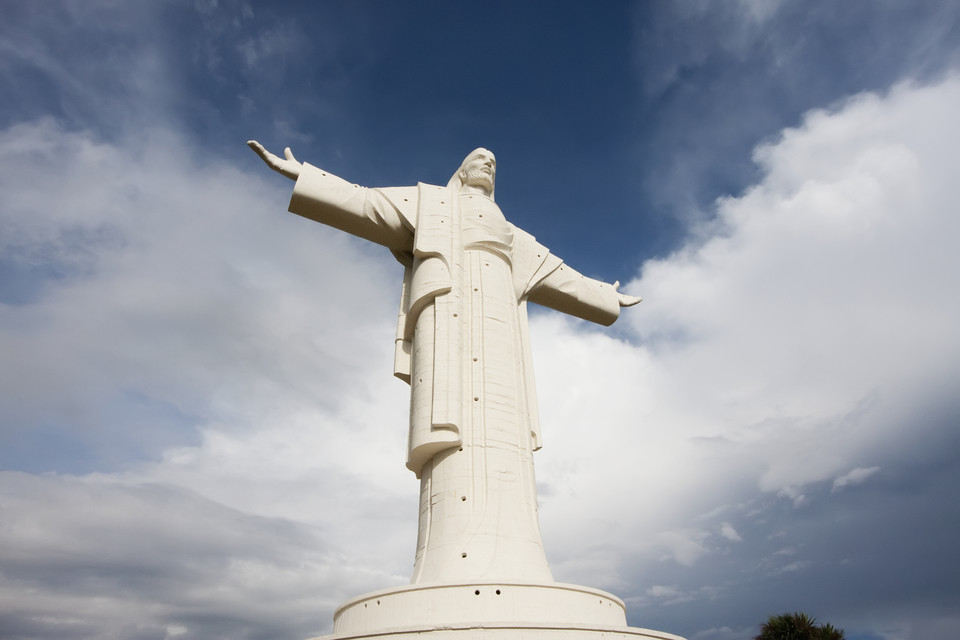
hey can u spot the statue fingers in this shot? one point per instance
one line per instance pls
(629, 301)
(271, 160)
(288, 166)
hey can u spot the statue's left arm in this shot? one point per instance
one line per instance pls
(567, 290)
(543, 278)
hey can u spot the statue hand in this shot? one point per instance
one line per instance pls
(625, 300)
(287, 166)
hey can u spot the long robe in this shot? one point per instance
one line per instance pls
(463, 347)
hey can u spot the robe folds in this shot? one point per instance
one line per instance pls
(462, 345)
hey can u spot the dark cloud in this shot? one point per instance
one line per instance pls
(124, 353)
(85, 559)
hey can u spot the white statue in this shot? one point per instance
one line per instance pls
(462, 346)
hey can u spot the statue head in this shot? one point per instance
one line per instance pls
(478, 170)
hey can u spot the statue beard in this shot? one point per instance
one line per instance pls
(479, 179)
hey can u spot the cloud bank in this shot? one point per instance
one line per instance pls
(796, 360)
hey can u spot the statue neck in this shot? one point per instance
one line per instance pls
(468, 188)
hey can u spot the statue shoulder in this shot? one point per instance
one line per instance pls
(412, 201)
(526, 245)
(405, 200)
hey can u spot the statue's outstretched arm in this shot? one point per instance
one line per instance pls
(325, 198)
(570, 292)
(288, 165)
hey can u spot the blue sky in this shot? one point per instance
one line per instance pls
(199, 433)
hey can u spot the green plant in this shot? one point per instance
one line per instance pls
(797, 626)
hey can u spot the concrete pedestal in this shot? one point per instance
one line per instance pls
(487, 611)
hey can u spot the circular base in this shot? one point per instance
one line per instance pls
(515, 632)
(501, 610)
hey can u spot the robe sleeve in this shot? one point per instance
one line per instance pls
(383, 216)
(571, 292)
(543, 278)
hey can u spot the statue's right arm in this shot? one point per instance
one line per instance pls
(384, 216)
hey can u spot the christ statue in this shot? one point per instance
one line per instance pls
(462, 345)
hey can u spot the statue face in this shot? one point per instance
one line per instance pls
(479, 170)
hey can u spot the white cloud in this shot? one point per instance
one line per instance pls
(854, 477)
(270, 46)
(119, 559)
(793, 494)
(684, 547)
(808, 332)
(264, 431)
(728, 532)
(760, 10)
(793, 567)
(661, 591)
(175, 279)
(821, 294)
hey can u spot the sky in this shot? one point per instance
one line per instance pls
(200, 436)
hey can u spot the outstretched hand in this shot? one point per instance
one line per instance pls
(288, 165)
(625, 300)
